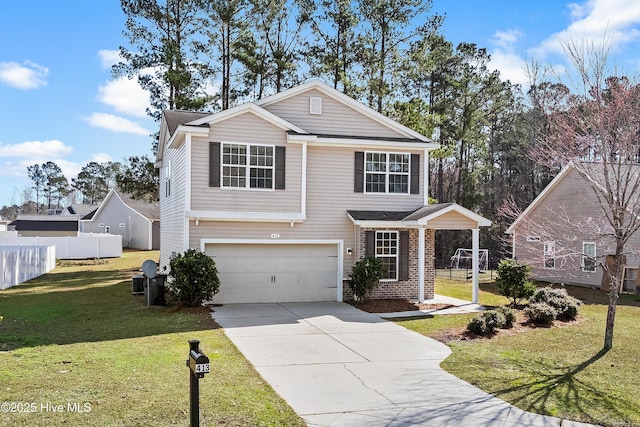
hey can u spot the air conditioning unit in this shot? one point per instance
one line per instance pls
(137, 283)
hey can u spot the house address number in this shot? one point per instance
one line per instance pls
(202, 368)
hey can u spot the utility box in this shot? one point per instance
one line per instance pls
(137, 283)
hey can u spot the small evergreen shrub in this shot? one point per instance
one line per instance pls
(365, 276)
(487, 322)
(193, 278)
(540, 313)
(509, 316)
(566, 306)
(513, 281)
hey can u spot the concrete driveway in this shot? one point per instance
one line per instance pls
(338, 366)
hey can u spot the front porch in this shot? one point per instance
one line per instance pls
(406, 241)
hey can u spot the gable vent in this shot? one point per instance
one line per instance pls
(315, 105)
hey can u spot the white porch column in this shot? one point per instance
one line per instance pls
(475, 264)
(421, 256)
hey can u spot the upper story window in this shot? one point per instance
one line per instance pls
(247, 166)
(387, 172)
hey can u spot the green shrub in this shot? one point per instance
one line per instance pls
(509, 316)
(193, 278)
(487, 322)
(540, 313)
(365, 276)
(566, 306)
(513, 280)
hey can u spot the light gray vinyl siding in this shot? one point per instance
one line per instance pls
(172, 208)
(246, 128)
(569, 215)
(336, 118)
(330, 176)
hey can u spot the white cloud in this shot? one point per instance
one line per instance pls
(125, 96)
(109, 57)
(506, 39)
(116, 124)
(27, 75)
(596, 21)
(510, 65)
(101, 158)
(36, 149)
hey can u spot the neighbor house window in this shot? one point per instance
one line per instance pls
(247, 166)
(387, 251)
(588, 257)
(549, 255)
(387, 172)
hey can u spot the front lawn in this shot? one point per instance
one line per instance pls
(77, 340)
(554, 371)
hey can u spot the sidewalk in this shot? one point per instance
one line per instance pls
(460, 307)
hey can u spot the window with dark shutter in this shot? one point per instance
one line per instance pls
(415, 174)
(403, 256)
(214, 164)
(358, 184)
(280, 168)
(370, 243)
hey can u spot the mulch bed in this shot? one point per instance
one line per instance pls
(393, 305)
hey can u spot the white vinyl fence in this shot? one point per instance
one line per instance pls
(21, 263)
(85, 246)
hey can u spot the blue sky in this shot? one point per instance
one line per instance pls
(59, 102)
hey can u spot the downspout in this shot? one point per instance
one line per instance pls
(187, 191)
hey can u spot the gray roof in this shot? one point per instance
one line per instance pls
(81, 209)
(175, 118)
(413, 215)
(144, 208)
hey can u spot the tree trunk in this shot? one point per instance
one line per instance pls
(614, 294)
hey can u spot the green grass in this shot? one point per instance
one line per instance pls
(77, 335)
(559, 371)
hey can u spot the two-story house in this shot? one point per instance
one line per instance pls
(288, 192)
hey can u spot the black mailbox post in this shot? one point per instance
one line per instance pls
(198, 364)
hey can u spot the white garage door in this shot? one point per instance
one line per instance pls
(275, 272)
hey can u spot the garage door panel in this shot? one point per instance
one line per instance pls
(275, 272)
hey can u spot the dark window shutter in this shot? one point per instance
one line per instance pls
(403, 261)
(358, 184)
(414, 185)
(280, 167)
(214, 164)
(370, 243)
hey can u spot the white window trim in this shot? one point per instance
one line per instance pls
(544, 255)
(247, 167)
(595, 251)
(397, 255)
(387, 173)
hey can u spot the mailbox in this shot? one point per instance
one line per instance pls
(198, 362)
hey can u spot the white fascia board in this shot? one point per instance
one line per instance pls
(358, 142)
(177, 139)
(246, 216)
(344, 99)
(479, 219)
(554, 182)
(249, 108)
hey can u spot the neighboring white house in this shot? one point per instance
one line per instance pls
(137, 221)
(288, 192)
(4, 223)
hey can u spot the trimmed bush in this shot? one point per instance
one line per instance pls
(509, 316)
(566, 306)
(365, 276)
(540, 313)
(513, 281)
(487, 322)
(193, 278)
